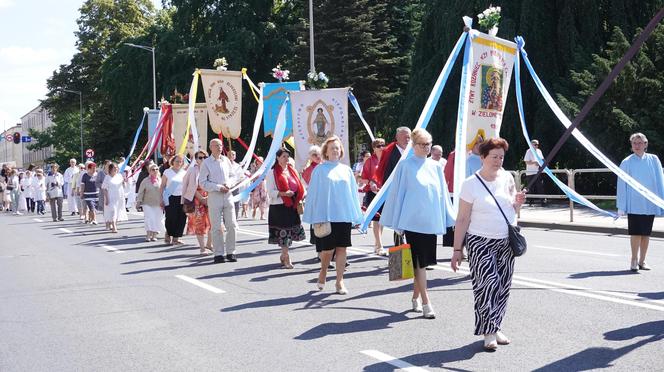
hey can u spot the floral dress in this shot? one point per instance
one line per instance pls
(199, 220)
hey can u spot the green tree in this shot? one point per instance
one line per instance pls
(634, 103)
(63, 135)
(102, 26)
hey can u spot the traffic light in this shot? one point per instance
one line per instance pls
(17, 138)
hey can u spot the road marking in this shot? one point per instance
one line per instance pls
(198, 283)
(111, 249)
(264, 235)
(392, 360)
(620, 298)
(38, 219)
(66, 230)
(578, 251)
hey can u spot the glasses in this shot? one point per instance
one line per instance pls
(425, 144)
(379, 146)
(202, 157)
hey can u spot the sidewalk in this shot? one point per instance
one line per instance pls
(557, 218)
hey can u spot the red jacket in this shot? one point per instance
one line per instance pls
(388, 161)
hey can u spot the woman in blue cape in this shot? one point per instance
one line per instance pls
(647, 170)
(418, 205)
(332, 197)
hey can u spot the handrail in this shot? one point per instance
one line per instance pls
(571, 175)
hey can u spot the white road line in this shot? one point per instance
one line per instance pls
(392, 360)
(111, 249)
(38, 219)
(198, 283)
(263, 235)
(620, 298)
(578, 251)
(66, 230)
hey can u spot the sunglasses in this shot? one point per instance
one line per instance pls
(379, 146)
(202, 157)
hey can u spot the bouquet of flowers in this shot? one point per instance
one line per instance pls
(220, 64)
(489, 18)
(280, 74)
(317, 80)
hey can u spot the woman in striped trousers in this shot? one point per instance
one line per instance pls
(489, 255)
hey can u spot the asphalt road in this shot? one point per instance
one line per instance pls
(74, 297)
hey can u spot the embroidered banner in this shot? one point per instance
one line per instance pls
(274, 95)
(318, 115)
(223, 95)
(485, 82)
(180, 115)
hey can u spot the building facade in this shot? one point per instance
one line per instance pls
(37, 119)
(10, 152)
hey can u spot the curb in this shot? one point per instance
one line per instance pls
(584, 228)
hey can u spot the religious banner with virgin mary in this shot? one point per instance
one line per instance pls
(223, 96)
(318, 115)
(488, 84)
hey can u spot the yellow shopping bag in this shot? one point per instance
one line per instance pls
(400, 262)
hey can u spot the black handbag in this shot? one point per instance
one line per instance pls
(516, 240)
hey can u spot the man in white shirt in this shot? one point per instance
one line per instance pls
(69, 174)
(215, 178)
(437, 155)
(532, 166)
(237, 175)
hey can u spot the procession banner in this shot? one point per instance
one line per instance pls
(153, 119)
(318, 115)
(485, 82)
(180, 115)
(167, 139)
(223, 96)
(274, 95)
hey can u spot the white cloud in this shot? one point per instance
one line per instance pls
(6, 3)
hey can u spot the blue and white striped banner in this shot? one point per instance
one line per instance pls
(133, 145)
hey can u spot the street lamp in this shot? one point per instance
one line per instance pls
(154, 71)
(80, 114)
(312, 66)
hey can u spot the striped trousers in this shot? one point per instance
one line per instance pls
(491, 268)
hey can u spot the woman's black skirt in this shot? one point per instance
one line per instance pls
(284, 225)
(640, 224)
(339, 237)
(423, 248)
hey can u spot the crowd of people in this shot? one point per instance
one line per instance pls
(195, 197)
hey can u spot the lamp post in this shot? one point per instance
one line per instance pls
(80, 115)
(154, 71)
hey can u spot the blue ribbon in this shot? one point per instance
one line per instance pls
(133, 145)
(356, 105)
(422, 122)
(277, 139)
(571, 194)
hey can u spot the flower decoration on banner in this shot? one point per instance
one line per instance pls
(178, 97)
(220, 64)
(489, 18)
(280, 74)
(317, 80)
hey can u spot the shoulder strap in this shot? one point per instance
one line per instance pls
(494, 198)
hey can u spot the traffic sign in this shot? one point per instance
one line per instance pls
(27, 139)
(9, 137)
(90, 153)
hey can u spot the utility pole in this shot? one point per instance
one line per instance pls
(312, 66)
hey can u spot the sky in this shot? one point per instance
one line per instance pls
(37, 37)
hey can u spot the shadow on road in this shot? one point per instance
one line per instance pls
(591, 274)
(434, 359)
(603, 357)
(354, 326)
(652, 295)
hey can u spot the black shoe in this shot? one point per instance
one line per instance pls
(219, 259)
(231, 258)
(428, 268)
(61, 219)
(73, 213)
